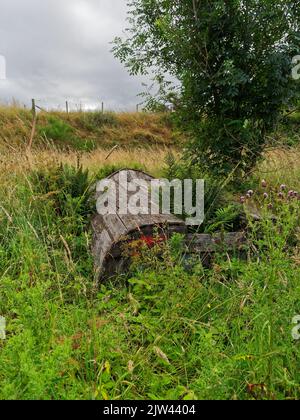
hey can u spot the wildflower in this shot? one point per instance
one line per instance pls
(283, 187)
(248, 196)
(243, 199)
(250, 193)
(291, 194)
(264, 183)
(270, 206)
(266, 195)
(280, 195)
(151, 241)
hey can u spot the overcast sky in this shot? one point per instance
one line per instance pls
(60, 49)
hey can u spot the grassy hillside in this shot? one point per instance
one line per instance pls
(168, 329)
(85, 131)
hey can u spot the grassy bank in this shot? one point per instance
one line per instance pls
(85, 131)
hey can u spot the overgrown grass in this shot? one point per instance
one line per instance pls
(169, 330)
(85, 131)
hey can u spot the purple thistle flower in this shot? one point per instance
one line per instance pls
(280, 195)
(243, 199)
(283, 187)
(266, 195)
(270, 206)
(250, 193)
(264, 183)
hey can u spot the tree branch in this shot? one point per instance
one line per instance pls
(195, 10)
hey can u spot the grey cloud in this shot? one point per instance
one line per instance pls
(60, 49)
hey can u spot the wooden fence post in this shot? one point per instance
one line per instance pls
(33, 107)
(67, 107)
(32, 132)
(102, 107)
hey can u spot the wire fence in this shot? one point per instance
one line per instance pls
(70, 106)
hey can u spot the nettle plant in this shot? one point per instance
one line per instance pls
(233, 63)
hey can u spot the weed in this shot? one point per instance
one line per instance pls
(57, 129)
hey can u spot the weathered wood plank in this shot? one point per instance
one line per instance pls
(111, 231)
(203, 243)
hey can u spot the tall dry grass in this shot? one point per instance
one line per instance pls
(281, 166)
(143, 139)
(136, 129)
(151, 159)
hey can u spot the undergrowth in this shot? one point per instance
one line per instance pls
(170, 329)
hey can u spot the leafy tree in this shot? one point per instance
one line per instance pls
(233, 59)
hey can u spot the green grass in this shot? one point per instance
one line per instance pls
(85, 131)
(170, 330)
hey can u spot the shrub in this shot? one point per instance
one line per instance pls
(69, 190)
(233, 62)
(223, 146)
